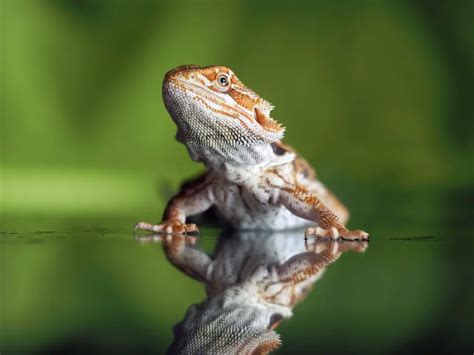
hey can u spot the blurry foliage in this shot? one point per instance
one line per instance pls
(370, 91)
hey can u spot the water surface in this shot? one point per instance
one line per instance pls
(81, 284)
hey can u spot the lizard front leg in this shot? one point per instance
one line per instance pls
(307, 205)
(195, 197)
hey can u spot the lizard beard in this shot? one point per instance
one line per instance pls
(218, 140)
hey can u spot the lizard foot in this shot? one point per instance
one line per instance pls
(168, 227)
(354, 235)
(334, 233)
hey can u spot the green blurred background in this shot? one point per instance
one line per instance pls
(376, 94)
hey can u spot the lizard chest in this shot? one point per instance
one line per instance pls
(243, 209)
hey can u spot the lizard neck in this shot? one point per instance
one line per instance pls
(242, 173)
(215, 150)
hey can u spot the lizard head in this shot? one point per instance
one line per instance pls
(213, 108)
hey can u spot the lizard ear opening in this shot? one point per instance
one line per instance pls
(268, 123)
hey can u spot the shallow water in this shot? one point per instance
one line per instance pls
(89, 285)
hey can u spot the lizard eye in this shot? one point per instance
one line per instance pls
(223, 80)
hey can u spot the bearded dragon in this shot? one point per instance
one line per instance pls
(252, 178)
(253, 280)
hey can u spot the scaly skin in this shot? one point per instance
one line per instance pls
(252, 178)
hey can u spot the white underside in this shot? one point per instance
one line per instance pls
(242, 211)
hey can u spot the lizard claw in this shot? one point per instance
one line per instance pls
(354, 235)
(168, 227)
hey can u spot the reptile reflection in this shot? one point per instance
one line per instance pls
(253, 280)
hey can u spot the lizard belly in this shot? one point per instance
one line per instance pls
(239, 208)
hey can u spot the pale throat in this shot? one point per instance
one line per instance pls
(215, 140)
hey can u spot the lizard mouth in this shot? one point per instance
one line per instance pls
(267, 122)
